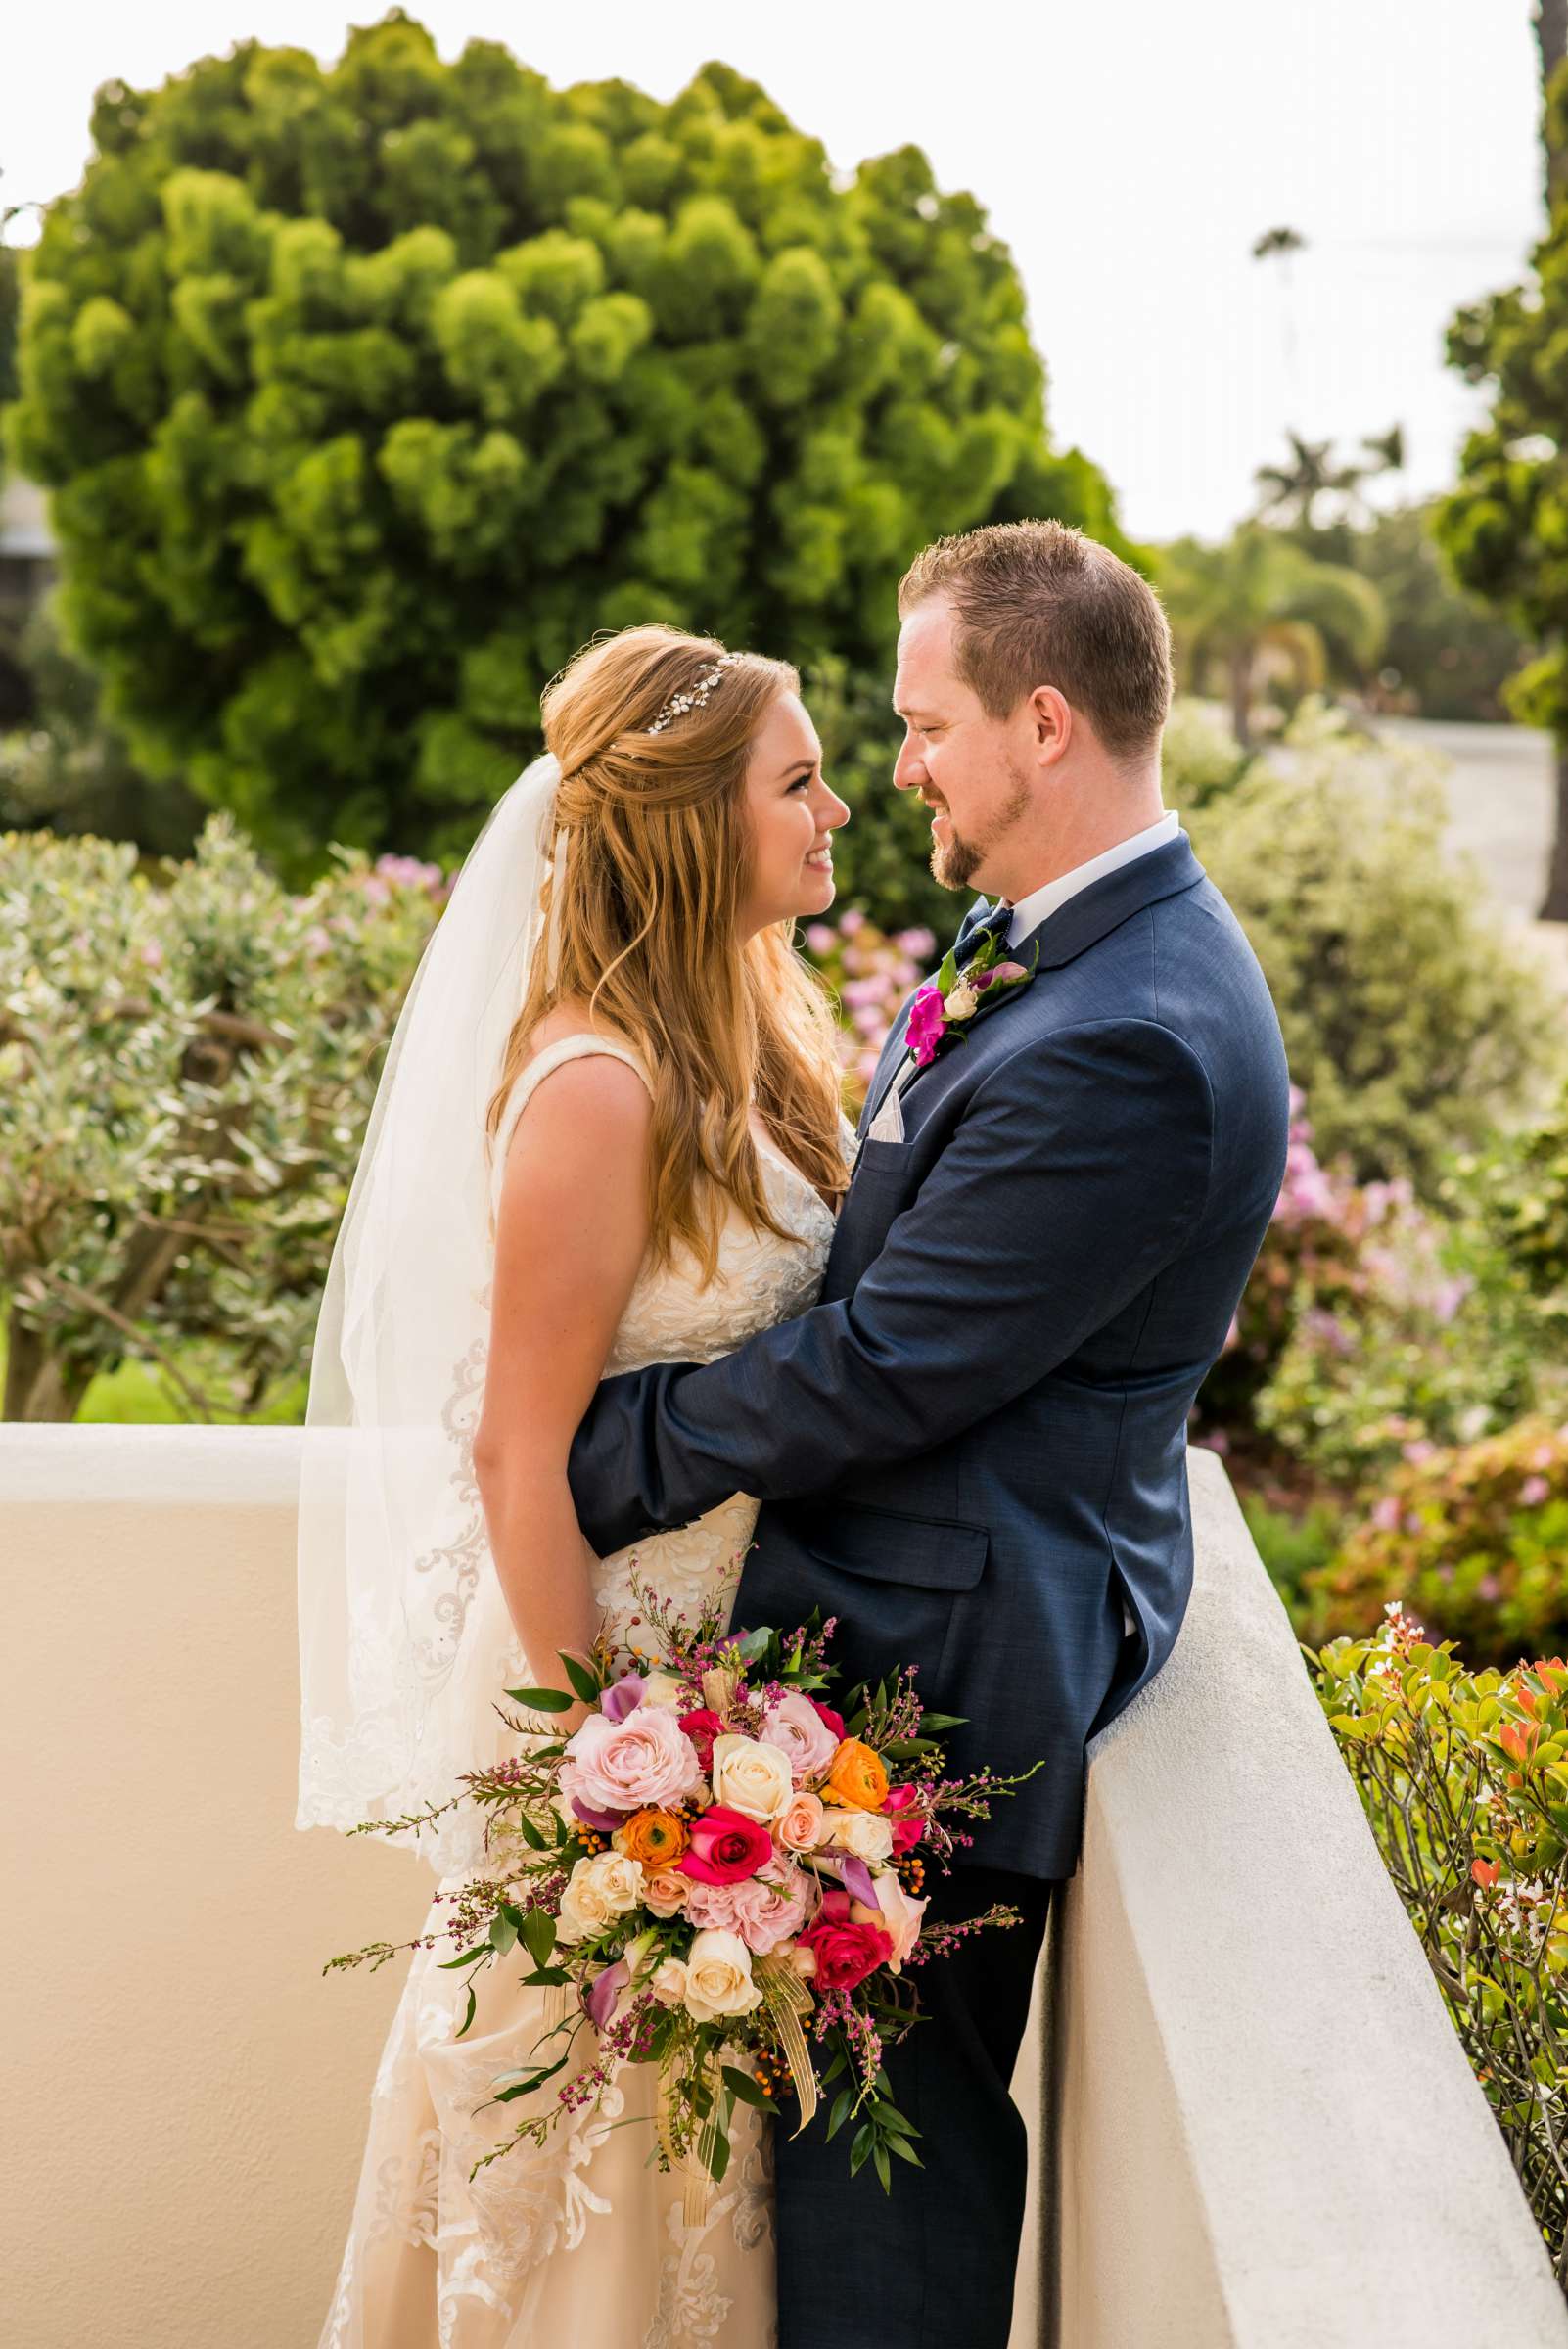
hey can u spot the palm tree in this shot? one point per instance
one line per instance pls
(1289, 493)
(1232, 605)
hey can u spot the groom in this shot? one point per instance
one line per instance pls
(972, 1450)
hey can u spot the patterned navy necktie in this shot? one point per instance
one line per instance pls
(994, 922)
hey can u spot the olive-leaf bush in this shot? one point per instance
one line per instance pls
(186, 1067)
(1464, 1780)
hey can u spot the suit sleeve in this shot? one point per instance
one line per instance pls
(1079, 1170)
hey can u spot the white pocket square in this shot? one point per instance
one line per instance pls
(888, 1124)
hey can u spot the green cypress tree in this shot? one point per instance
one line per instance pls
(367, 393)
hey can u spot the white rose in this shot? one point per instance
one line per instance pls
(669, 1984)
(963, 1002)
(718, 1976)
(751, 1777)
(600, 1890)
(662, 1688)
(865, 1833)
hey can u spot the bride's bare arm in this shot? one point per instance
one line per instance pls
(572, 1227)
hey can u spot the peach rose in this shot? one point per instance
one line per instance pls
(799, 1825)
(664, 1891)
(669, 1984)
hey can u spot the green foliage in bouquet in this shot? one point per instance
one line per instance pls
(1464, 1779)
(720, 1871)
(367, 392)
(1411, 1023)
(1474, 1537)
(186, 1065)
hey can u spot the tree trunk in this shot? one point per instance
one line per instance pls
(1554, 904)
(37, 1387)
(1551, 38)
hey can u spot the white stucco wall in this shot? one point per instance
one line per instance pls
(1265, 2132)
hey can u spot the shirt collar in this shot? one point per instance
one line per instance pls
(1029, 912)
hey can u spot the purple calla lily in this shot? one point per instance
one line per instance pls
(622, 1696)
(606, 1822)
(599, 1997)
(857, 1880)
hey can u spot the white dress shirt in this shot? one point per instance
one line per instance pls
(1031, 911)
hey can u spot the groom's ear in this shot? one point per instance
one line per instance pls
(1052, 721)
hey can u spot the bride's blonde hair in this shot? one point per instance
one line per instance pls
(641, 910)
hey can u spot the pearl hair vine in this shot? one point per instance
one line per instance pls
(694, 696)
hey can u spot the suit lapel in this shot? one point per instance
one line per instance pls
(1087, 918)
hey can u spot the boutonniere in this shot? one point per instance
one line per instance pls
(942, 1008)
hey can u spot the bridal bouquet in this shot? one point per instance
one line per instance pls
(725, 1875)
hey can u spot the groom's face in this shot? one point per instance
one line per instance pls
(961, 761)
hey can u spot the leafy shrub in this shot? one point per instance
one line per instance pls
(372, 389)
(1411, 1023)
(1463, 1776)
(1473, 1538)
(186, 1066)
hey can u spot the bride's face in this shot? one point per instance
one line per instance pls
(793, 816)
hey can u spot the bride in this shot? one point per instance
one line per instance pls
(608, 1133)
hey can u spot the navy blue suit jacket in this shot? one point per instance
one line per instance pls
(973, 1449)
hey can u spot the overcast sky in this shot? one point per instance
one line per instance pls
(1129, 155)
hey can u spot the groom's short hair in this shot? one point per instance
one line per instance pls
(1037, 602)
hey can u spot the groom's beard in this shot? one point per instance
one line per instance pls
(956, 860)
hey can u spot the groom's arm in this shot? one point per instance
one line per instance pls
(1079, 1170)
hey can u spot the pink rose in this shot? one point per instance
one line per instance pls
(900, 1805)
(826, 1713)
(622, 1765)
(765, 1912)
(726, 1846)
(799, 1825)
(796, 1727)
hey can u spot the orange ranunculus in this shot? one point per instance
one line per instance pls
(857, 1776)
(656, 1837)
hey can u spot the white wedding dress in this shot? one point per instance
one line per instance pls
(582, 2242)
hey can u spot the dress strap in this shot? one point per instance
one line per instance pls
(532, 1075)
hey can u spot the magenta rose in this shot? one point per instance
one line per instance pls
(909, 1826)
(725, 1847)
(845, 1952)
(702, 1728)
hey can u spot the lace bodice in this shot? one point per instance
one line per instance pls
(760, 1280)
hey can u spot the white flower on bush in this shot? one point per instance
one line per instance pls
(865, 1833)
(599, 1890)
(718, 1976)
(750, 1777)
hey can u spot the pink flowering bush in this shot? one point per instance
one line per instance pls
(1473, 1537)
(1371, 1323)
(871, 972)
